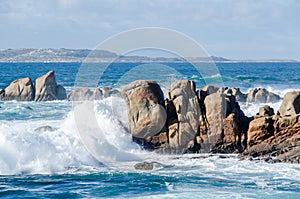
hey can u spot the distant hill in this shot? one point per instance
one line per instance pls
(79, 55)
(49, 54)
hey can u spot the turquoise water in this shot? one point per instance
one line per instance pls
(55, 164)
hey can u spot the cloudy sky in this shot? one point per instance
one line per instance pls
(238, 29)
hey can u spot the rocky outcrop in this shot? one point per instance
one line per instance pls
(226, 125)
(146, 110)
(46, 88)
(290, 104)
(276, 138)
(262, 95)
(20, 90)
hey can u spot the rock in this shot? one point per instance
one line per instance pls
(209, 89)
(147, 165)
(44, 129)
(290, 104)
(107, 92)
(239, 96)
(80, 94)
(61, 93)
(184, 111)
(259, 130)
(265, 111)
(261, 95)
(277, 138)
(145, 105)
(46, 88)
(20, 90)
(215, 112)
(2, 94)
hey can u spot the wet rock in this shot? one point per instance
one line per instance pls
(20, 90)
(145, 105)
(262, 95)
(290, 104)
(46, 88)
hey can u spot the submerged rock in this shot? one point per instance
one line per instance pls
(46, 88)
(20, 90)
(44, 129)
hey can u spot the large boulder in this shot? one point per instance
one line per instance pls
(290, 104)
(183, 116)
(46, 88)
(262, 95)
(145, 105)
(20, 90)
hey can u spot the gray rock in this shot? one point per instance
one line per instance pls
(290, 104)
(46, 88)
(44, 129)
(145, 105)
(20, 90)
(240, 97)
(262, 95)
(80, 94)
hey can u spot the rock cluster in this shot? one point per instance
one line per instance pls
(82, 94)
(187, 120)
(210, 120)
(45, 88)
(278, 135)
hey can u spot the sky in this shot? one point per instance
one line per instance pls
(235, 29)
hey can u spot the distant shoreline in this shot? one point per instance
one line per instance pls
(62, 55)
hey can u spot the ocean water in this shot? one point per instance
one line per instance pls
(56, 164)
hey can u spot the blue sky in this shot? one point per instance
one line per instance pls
(237, 29)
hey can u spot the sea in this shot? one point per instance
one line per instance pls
(56, 162)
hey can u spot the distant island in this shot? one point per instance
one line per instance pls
(79, 55)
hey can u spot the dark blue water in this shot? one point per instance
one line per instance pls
(55, 164)
(244, 75)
